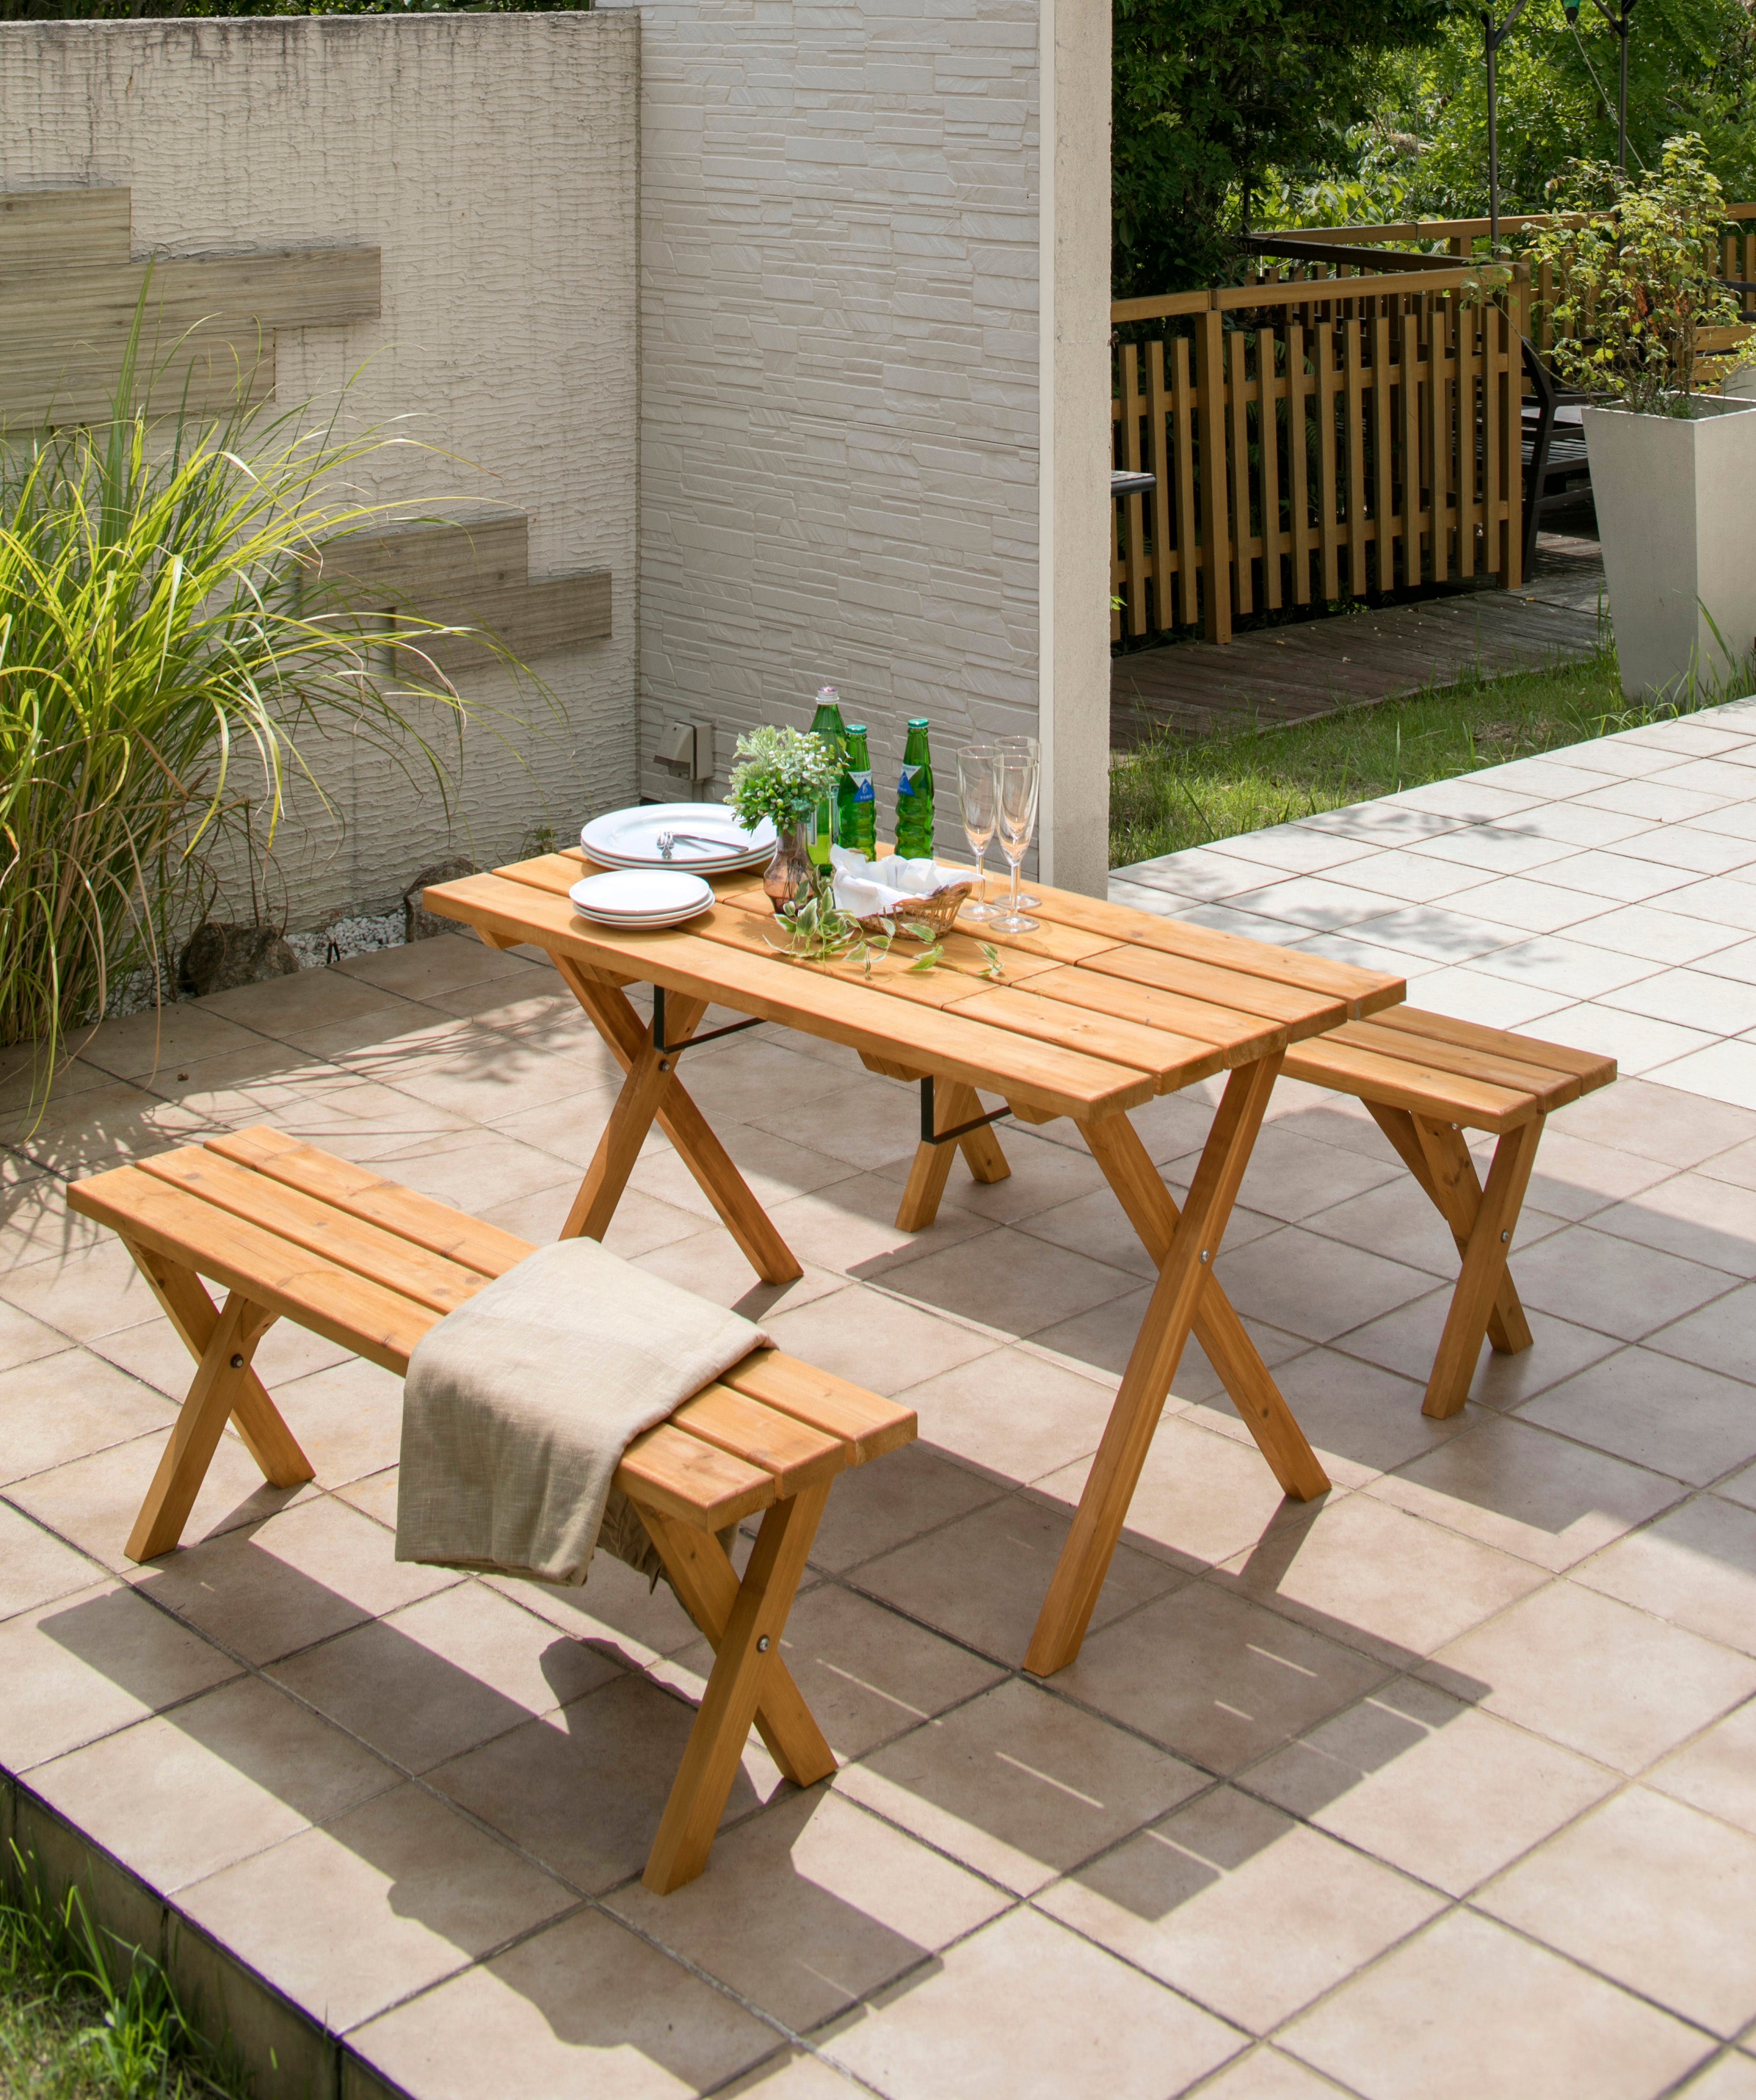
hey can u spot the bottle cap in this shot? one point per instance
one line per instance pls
(919, 721)
(827, 693)
(856, 729)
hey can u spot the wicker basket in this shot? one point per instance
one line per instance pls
(938, 912)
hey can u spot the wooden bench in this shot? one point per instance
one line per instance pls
(1427, 1078)
(293, 1233)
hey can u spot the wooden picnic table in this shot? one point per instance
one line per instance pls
(1093, 1014)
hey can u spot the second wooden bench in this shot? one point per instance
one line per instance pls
(1426, 1079)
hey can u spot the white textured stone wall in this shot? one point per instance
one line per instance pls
(494, 160)
(847, 377)
(840, 412)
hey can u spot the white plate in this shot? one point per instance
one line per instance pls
(642, 896)
(630, 838)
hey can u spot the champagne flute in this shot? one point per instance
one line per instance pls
(1014, 774)
(977, 786)
(1033, 750)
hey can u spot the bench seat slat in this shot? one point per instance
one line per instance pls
(1429, 1055)
(360, 1193)
(695, 1482)
(284, 1278)
(795, 1454)
(1590, 1067)
(349, 1241)
(1395, 1083)
(866, 1422)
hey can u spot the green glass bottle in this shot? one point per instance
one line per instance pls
(827, 724)
(914, 794)
(856, 805)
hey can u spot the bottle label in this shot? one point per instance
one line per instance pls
(862, 787)
(906, 785)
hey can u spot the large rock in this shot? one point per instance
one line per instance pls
(420, 924)
(221, 957)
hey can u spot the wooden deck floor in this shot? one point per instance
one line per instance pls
(1290, 674)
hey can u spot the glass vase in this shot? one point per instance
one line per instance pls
(790, 871)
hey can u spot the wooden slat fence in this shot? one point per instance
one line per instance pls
(1312, 446)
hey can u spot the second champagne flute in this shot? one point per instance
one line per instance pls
(1014, 774)
(977, 786)
(1033, 751)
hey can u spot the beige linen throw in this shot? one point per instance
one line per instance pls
(517, 1408)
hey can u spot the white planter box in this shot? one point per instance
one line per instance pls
(1676, 505)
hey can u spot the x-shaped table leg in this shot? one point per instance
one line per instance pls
(749, 1681)
(1152, 1210)
(1184, 1275)
(652, 1092)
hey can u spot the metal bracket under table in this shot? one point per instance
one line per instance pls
(929, 1136)
(689, 1042)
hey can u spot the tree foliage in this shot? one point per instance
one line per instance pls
(1209, 95)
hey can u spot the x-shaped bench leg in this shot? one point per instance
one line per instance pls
(652, 1092)
(1184, 1275)
(749, 1681)
(222, 1340)
(1115, 1144)
(1482, 1223)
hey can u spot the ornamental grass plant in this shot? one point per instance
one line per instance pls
(168, 654)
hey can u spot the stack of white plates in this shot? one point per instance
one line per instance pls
(706, 838)
(641, 900)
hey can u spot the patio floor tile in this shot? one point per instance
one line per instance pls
(1430, 1784)
(1019, 1785)
(1551, 962)
(867, 1674)
(35, 1566)
(1724, 1072)
(581, 2007)
(301, 1576)
(1407, 1340)
(1216, 1678)
(865, 1904)
(1652, 1894)
(1717, 1772)
(215, 1781)
(1614, 875)
(89, 1663)
(1655, 1410)
(1694, 1216)
(1534, 904)
(1696, 1567)
(869, 1336)
(1022, 2011)
(1653, 1121)
(346, 1920)
(1605, 1282)
(92, 1290)
(1204, 1495)
(1733, 2077)
(1638, 1043)
(982, 1578)
(1007, 1281)
(424, 1684)
(24, 1340)
(1697, 999)
(1471, 994)
(1240, 1908)
(1469, 2011)
(1594, 1675)
(1300, 1282)
(1361, 1572)
(1020, 1416)
(65, 1407)
(875, 1509)
(582, 1789)
(1513, 1486)
(1264, 2074)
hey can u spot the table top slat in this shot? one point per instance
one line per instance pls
(1174, 1061)
(1552, 1089)
(1396, 1083)
(1298, 1009)
(1242, 1037)
(1362, 991)
(1588, 1065)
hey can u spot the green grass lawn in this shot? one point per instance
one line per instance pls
(1175, 792)
(83, 2018)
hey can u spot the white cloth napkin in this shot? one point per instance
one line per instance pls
(866, 889)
